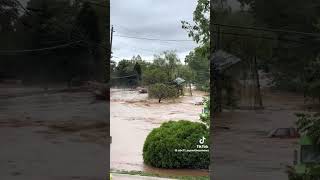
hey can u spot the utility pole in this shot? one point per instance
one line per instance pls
(112, 31)
(258, 98)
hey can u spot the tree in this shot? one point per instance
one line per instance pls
(137, 69)
(205, 115)
(198, 62)
(168, 62)
(187, 74)
(293, 52)
(153, 76)
(9, 15)
(200, 30)
(125, 74)
(198, 59)
(162, 91)
(309, 124)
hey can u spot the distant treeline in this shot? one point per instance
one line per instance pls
(52, 40)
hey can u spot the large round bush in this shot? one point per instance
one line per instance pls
(176, 144)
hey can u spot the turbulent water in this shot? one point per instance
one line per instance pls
(133, 116)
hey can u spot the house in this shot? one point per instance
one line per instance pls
(179, 83)
(237, 85)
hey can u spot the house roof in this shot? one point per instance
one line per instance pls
(224, 60)
(179, 80)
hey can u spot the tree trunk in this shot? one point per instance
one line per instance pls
(258, 98)
(190, 89)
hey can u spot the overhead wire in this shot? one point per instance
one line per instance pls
(39, 49)
(268, 29)
(153, 39)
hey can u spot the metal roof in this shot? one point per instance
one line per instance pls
(179, 80)
(224, 60)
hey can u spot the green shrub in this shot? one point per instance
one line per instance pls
(205, 115)
(161, 144)
(162, 91)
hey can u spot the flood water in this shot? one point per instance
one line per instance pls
(133, 116)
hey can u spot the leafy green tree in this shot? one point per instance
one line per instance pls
(199, 31)
(125, 74)
(293, 52)
(168, 61)
(198, 62)
(198, 59)
(153, 76)
(310, 125)
(162, 91)
(9, 16)
(187, 74)
(137, 69)
(205, 115)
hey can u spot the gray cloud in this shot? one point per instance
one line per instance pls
(160, 19)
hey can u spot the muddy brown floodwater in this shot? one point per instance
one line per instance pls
(133, 116)
(46, 136)
(245, 150)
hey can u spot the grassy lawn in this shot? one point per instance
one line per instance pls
(141, 173)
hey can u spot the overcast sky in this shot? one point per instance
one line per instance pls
(156, 19)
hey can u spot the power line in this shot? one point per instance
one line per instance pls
(154, 39)
(40, 49)
(261, 37)
(268, 29)
(96, 3)
(121, 77)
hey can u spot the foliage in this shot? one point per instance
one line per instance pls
(311, 85)
(162, 91)
(164, 68)
(125, 74)
(205, 115)
(168, 62)
(200, 30)
(292, 175)
(153, 76)
(159, 147)
(51, 23)
(292, 53)
(186, 73)
(198, 62)
(310, 125)
(198, 59)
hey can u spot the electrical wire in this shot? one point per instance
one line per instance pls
(268, 29)
(121, 77)
(261, 37)
(96, 3)
(153, 39)
(40, 49)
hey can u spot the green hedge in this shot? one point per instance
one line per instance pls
(160, 146)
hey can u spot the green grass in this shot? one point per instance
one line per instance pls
(141, 173)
